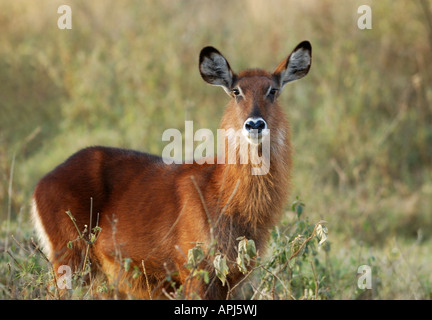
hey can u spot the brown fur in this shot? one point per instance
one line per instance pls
(153, 212)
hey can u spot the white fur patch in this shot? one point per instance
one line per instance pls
(44, 241)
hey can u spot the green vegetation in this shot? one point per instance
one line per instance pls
(361, 126)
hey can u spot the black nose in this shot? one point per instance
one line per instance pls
(257, 124)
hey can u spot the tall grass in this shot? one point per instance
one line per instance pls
(361, 120)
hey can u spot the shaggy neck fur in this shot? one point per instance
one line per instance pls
(250, 204)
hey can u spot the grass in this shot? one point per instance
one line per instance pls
(298, 265)
(361, 122)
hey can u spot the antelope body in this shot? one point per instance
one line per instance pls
(152, 213)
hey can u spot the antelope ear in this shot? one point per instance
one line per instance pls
(215, 69)
(295, 66)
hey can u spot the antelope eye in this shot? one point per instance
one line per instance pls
(236, 92)
(273, 91)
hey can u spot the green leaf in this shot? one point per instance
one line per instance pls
(251, 249)
(299, 211)
(201, 274)
(297, 207)
(297, 243)
(195, 256)
(241, 264)
(221, 268)
(321, 232)
(246, 251)
(242, 245)
(126, 263)
(205, 276)
(136, 272)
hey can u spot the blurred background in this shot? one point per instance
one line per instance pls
(126, 71)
